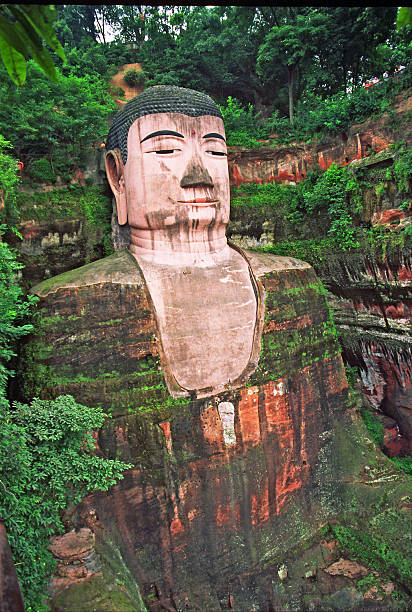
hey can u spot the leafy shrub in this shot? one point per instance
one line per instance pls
(316, 115)
(40, 170)
(278, 126)
(402, 169)
(373, 425)
(329, 193)
(14, 310)
(404, 463)
(118, 92)
(133, 78)
(313, 251)
(240, 124)
(351, 376)
(47, 463)
(252, 195)
(61, 118)
(375, 548)
(386, 244)
(242, 139)
(8, 182)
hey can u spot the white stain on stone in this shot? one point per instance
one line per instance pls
(226, 412)
(279, 388)
(227, 279)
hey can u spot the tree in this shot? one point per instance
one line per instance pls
(295, 39)
(47, 462)
(353, 38)
(23, 28)
(8, 181)
(129, 23)
(59, 120)
(404, 17)
(212, 49)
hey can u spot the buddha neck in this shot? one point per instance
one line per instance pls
(204, 246)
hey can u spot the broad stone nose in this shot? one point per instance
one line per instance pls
(195, 174)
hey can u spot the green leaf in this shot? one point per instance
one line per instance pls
(14, 62)
(35, 45)
(25, 28)
(44, 60)
(12, 37)
(41, 18)
(404, 17)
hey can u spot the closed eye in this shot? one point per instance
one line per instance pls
(217, 153)
(166, 151)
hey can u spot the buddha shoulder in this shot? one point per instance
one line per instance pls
(263, 264)
(118, 268)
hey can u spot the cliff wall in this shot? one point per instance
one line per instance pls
(223, 489)
(369, 291)
(290, 163)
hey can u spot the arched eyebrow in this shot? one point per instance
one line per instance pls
(214, 135)
(162, 133)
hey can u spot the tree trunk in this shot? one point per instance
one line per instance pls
(356, 75)
(103, 34)
(291, 82)
(345, 79)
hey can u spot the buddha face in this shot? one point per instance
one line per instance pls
(176, 173)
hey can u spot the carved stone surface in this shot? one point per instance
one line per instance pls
(207, 499)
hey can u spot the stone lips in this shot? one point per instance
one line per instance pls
(159, 99)
(200, 506)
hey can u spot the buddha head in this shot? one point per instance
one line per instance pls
(167, 167)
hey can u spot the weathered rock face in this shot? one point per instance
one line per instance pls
(372, 306)
(290, 163)
(370, 295)
(221, 485)
(10, 594)
(61, 228)
(48, 247)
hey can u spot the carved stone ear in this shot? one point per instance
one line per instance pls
(115, 176)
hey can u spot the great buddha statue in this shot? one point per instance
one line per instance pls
(219, 370)
(167, 167)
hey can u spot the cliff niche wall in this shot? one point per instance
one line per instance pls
(372, 308)
(369, 290)
(290, 163)
(228, 494)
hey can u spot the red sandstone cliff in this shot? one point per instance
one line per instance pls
(213, 505)
(290, 163)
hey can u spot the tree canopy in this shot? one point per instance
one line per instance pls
(281, 60)
(264, 55)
